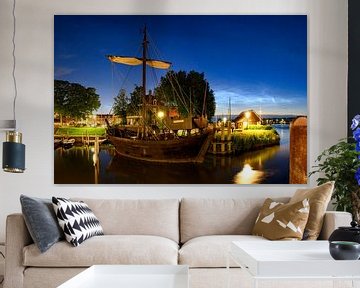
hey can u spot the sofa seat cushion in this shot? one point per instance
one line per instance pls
(211, 251)
(107, 249)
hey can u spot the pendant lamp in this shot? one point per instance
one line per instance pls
(13, 150)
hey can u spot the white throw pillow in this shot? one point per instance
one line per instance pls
(76, 220)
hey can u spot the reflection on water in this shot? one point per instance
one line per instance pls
(248, 175)
(270, 165)
(81, 165)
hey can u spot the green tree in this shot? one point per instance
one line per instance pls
(135, 101)
(186, 90)
(120, 105)
(339, 163)
(74, 100)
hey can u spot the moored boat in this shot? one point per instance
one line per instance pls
(188, 149)
(168, 138)
(57, 143)
(68, 143)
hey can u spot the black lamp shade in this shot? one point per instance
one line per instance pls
(13, 157)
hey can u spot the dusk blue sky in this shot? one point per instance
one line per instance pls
(258, 61)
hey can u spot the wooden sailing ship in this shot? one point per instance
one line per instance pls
(162, 143)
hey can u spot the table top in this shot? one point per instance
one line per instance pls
(291, 259)
(131, 276)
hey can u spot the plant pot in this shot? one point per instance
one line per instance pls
(351, 233)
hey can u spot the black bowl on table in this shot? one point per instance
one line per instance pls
(344, 250)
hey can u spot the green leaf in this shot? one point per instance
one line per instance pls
(339, 163)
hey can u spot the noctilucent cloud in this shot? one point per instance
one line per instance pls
(257, 61)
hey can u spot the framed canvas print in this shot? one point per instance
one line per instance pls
(189, 99)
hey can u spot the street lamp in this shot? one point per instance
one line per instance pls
(161, 114)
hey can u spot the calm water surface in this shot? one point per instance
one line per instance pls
(266, 166)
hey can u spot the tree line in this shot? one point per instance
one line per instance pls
(74, 100)
(185, 90)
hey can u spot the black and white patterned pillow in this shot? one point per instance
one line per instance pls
(77, 220)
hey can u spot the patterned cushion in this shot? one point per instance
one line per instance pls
(319, 198)
(77, 220)
(279, 221)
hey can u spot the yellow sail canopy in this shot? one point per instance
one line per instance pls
(134, 61)
(158, 64)
(125, 60)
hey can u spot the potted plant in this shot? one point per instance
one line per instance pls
(341, 163)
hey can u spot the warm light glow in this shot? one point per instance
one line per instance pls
(247, 114)
(248, 175)
(95, 159)
(161, 114)
(224, 119)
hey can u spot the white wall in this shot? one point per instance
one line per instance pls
(327, 52)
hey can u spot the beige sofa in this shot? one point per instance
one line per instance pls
(194, 232)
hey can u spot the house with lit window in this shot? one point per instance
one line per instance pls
(247, 118)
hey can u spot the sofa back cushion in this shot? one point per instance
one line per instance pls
(200, 217)
(159, 217)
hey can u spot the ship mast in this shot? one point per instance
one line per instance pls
(144, 44)
(135, 61)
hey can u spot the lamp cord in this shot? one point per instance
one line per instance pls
(14, 60)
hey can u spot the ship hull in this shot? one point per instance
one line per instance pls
(182, 150)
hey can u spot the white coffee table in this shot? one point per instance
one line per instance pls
(131, 276)
(292, 260)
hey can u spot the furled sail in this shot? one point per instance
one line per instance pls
(134, 61)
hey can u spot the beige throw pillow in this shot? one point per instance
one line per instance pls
(279, 221)
(319, 198)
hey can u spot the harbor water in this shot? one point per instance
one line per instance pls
(81, 165)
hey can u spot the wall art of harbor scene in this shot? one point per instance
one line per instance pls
(190, 99)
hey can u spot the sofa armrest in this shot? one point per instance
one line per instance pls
(333, 220)
(17, 237)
